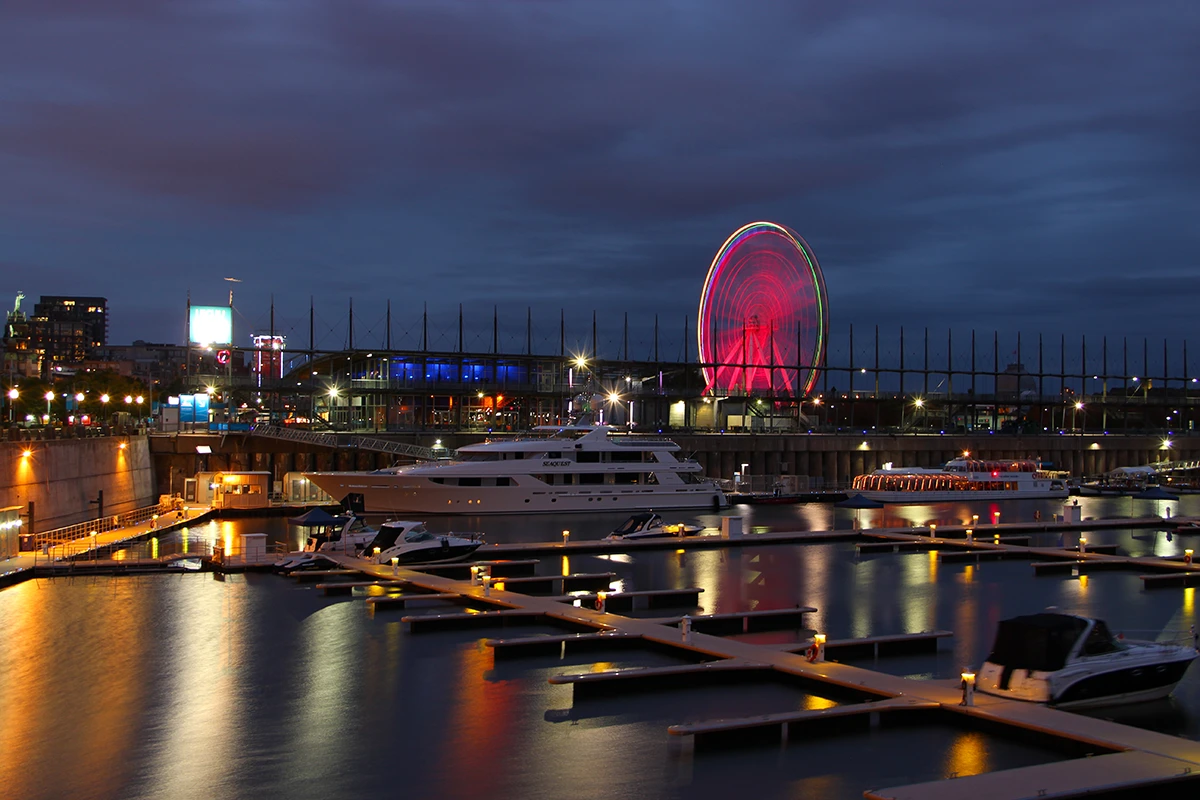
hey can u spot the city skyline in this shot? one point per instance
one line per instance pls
(991, 168)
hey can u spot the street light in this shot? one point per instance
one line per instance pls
(49, 398)
(104, 398)
(1078, 407)
(13, 394)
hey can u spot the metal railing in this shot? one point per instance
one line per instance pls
(82, 530)
(359, 442)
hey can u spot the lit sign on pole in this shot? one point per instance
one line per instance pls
(211, 325)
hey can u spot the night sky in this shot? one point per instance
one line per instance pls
(1008, 166)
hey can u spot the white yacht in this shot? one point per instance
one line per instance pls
(962, 479)
(649, 525)
(558, 469)
(1076, 662)
(410, 543)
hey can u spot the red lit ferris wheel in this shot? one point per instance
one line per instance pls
(764, 314)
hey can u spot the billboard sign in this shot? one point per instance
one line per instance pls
(210, 325)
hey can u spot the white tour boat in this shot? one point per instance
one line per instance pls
(1076, 662)
(559, 469)
(962, 479)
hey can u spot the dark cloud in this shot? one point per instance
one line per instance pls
(1015, 166)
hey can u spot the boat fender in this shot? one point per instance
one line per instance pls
(599, 604)
(811, 653)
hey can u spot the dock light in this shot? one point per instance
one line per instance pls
(995, 517)
(1082, 544)
(970, 535)
(685, 629)
(395, 565)
(377, 552)
(601, 602)
(474, 576)
(974, 519)
(566, 536)
(1187, 556)
(968, 689)
(819, 646)
(932, 530)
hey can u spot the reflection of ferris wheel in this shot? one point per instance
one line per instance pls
(764, 314)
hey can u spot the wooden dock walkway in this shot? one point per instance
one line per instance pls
(1127, 757)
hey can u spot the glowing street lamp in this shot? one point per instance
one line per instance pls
(13, 394)
(49, 398)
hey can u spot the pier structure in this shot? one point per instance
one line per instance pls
(1119, 759)
(493, 375)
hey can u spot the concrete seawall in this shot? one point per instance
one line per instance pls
(61, 477)
(832, 457)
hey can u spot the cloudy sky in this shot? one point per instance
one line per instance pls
(1008, 166)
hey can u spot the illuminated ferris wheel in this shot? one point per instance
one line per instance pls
(764, 314)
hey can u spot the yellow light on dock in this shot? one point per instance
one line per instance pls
(974, 520)
(819, 638)
(932, 530)
(566, 536)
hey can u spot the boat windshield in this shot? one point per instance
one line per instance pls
(636, 523)
(1036, 642)
(418, 535)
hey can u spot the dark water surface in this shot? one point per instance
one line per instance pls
(185, 686)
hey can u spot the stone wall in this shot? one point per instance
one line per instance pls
(62, 476)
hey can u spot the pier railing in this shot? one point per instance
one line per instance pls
(82, 530)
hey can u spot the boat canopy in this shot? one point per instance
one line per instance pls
(390, 532)
(1037, 641)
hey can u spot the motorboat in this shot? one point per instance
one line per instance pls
(411, 543)
(1075, 662)
(557, 469)
(962, 479)
(349, 534)
(649, 525)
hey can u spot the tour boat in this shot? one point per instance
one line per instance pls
(962, 479)
(1075, 662)
(559, 469)
(651, 526)
(410, 543)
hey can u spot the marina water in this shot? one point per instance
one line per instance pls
(245, 686)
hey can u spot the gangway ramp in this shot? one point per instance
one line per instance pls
(336, 441)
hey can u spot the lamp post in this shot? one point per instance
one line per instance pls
(13, 395)
(104, 398)
(49, 399)
(139, 400)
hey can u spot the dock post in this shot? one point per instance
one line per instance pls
(970, 535)
(819, 647)
(685, 628)
(474, 576)
(968, 688)
(395, 565)
(933, 530)
(602, 602)
(1187, 556)
(487, 585)
(566, 537)
(1082, 545)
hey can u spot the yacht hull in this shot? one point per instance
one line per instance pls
(1119, 684)
(398, 494)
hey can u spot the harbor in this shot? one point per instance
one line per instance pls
(890, 665)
